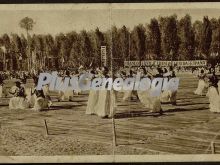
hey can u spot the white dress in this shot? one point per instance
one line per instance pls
(31, 98)
(106, 103)
(168, 96)
(214, 99)
(41, 103)
(17, 102)
(92, 102)
(201, 87)
(67, 95)
(152, 103)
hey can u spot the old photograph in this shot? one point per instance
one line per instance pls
(110, 82)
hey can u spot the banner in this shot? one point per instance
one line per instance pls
(103, 56)
(166, 63)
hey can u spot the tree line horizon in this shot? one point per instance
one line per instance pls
(163, 38)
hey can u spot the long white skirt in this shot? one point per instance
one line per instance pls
(1, 91)
(201, 87)
(92, 102)
(18, 103)
(152, 103)
(168, 96)
(106, 103)
(41, 103)
(214, 99)
(66, 96)
(30, 98)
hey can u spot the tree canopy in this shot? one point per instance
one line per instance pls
(163, 38)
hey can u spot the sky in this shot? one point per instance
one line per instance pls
(55, 19)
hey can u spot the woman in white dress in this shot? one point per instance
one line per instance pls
(213, 94)
(68, 94)
(93, 99)
(106, 103)
(18, 101)
(30, 96)
(41, 101)
(202, 84)
(149, 101)
(169, 96)
(127, 93)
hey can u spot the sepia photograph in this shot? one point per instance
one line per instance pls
(110, 82)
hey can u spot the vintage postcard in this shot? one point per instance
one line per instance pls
(125, 82)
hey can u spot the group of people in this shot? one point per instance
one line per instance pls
(24, 98)
(104, 102)
(209, 80)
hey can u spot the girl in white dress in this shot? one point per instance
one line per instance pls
(30, 96)
(169, 96)
(93, 99)
(68, 94)
(202, 84)
(18, 101)
(213, 94)
(106, 100)
(39, 100)
(127, 93)
(149, 101)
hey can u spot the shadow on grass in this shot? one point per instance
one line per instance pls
(183, 110)
(142, 113)
(62, 107)
(132, 114)
(191, 104)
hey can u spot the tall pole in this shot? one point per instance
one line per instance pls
(113, 107)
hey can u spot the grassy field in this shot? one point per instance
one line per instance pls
(187, 128)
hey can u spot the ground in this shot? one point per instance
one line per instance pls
(187, 128)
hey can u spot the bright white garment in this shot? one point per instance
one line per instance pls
(201, 87)
(41, 104)
(168, 96)
(31, 98)
(150, 102)
(106, 104)
(18, 103)
(92, 102)
(66, 96)
(214, 99)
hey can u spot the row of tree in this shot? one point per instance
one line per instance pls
(165, 38)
